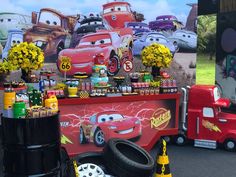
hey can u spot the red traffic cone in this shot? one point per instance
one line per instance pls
(162, 166)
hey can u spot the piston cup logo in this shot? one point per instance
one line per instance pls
(160, 118)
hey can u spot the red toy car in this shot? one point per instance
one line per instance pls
(118, 13)
(106, 125)
(113, 47)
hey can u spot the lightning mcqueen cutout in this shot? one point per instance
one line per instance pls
(113, 47)
(106, 125)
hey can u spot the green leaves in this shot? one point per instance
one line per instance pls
(206, 33)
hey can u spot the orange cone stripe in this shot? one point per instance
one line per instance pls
(163, 160)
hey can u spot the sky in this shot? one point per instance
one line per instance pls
(150, 8)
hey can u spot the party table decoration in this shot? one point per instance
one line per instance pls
(156, 56)
(27, 57)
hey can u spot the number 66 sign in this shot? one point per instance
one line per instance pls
(65, 64)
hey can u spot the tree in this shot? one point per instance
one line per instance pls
(207, 35)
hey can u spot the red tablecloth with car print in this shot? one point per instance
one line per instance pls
(87, 124)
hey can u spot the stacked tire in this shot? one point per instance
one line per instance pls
(126, 159)
(120, 158)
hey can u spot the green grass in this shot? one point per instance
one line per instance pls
(205, 71)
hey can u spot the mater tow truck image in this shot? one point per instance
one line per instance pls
(51, 31)
(205, 119)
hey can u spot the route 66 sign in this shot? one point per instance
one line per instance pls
(65, 64)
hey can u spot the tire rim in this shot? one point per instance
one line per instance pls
(180, 140)
(113, 65)
(100, 137)
(230, 145)
(81, 136)
(90, 170)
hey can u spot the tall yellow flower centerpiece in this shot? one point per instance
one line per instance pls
(156, 56)
(27, 57)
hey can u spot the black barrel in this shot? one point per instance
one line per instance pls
(31, 147)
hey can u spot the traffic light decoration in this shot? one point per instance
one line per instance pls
(162, 166)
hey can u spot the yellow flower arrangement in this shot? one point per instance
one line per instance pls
(26, 56)
(156, 55)
(6, 67)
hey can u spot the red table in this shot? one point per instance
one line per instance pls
(157, 114)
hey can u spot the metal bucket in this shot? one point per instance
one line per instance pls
(8, 99)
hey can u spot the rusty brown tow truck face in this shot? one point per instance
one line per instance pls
(51, 31)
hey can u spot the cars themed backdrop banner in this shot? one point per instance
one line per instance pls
(57, 25)
(74, 34)
(90, 126)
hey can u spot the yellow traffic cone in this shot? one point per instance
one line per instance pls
(163, 168)
(76, 168)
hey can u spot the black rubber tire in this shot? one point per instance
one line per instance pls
(180, 140)
(92, 157)
(66, 167)
(230, 147)
(82, 138)
(116, 58)
(98, 144)
(126, 159)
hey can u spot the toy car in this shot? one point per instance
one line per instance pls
(113, 47)
(14, 37)
(165, 23)
(51, 31)
(90, 24)
(12, 21)
(152, 37)
(138, 27)
(106, 125)
(186, 40)
(117, 13)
